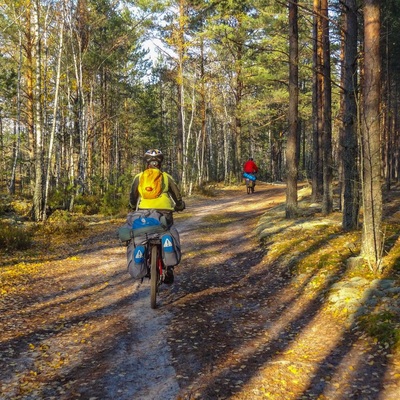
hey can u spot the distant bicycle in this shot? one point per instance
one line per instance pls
(250, 180)
(249, 186)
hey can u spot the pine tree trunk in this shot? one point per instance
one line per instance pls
(371, 248)
(181, 142)
(349, 145)
(327, 198)
(292, 141)
(317, 177)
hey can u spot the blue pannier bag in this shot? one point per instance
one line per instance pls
(138, 254)
(170, 246)
(249, 176)
(140, 223)
(167, 243)
(136, 261)
(147, 222)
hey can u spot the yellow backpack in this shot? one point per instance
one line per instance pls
(150, 183)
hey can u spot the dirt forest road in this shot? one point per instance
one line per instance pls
(230, 327)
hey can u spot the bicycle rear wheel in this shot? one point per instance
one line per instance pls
(154, 276)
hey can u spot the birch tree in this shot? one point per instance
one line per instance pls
(38, 205)
(55, 107)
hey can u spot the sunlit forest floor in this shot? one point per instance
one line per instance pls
(262, 307)
(274, 326)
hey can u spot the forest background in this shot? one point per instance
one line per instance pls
(309, 89)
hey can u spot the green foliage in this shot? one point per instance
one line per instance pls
(18, 207)
(106, 198)
(8, 78)
(384, 327)
(87, 204)
(5, 205)
(14, 237)
(63, 222)
(113, 201)
(60, 198)
(21, 207)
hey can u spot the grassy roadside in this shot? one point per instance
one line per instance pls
(323, 262)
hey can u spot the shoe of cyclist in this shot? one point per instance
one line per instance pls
(169, 276)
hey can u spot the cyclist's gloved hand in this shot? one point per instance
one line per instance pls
(180, 206)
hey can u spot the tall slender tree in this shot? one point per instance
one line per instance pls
(293, 135)
(38, 206)
(55, 107)
(349, 143)
(372, 240)
(327, 198)
(317, 175)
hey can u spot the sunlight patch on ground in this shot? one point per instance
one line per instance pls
(288, 374)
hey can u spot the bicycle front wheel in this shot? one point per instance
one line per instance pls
(154, 276)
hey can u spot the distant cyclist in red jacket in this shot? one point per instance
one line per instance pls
(250, 166)
(249, 173)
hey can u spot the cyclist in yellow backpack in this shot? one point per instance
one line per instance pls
(156, 190)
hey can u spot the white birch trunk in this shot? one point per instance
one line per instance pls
(38, 209)
(53, 129)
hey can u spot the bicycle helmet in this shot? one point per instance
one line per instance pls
(153, 156)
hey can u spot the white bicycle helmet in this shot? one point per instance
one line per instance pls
(153, 155)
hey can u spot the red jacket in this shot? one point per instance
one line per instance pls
(250, 167)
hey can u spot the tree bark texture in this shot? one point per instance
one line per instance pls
(293, 135)
(38, 210)
(317, 176)
(326, 95)
(349, 145)
(371, 248)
